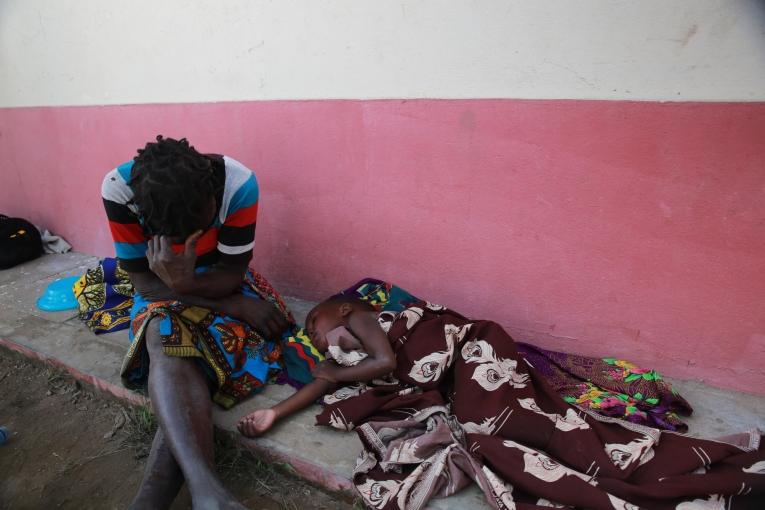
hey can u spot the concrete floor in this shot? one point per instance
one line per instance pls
(321, 455)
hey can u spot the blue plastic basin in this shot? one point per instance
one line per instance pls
(59, 295)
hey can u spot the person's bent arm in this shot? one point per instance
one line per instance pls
(303, 397)
(380, 358)
(223, 279)
(151, 288)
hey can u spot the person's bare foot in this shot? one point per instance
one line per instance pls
(257, 422)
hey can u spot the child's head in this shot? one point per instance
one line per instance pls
(331, 314)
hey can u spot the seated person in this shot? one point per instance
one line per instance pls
(357, 350)
(183, 223)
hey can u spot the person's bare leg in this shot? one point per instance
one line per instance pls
(162, 478)
(181, 400)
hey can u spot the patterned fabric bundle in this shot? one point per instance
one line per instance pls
(611, 387)
(104, 297)
(463, 405)
(300, 356)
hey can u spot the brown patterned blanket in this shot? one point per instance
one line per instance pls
(464, 406)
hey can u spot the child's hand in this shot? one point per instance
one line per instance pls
(326, 370)
(257, 422)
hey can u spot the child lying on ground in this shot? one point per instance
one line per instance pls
(356, 348)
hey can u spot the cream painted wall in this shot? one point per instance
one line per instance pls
(83, 52)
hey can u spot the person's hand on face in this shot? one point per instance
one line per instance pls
(258, 313)
(176, 270)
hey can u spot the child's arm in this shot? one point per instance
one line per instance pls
(380, 359)
(261, 420)
(303, 397)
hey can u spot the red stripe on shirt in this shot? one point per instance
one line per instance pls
(207, 243)
(127, 232)
(243, 217)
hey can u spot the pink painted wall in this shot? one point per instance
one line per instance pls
(607, 228)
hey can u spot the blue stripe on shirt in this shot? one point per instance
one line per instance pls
(131, 250)
(124, 170)
(245, 196)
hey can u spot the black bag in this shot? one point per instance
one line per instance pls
(19, 241)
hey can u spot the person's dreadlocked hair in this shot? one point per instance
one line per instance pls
(172, 186)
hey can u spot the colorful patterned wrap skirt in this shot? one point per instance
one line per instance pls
(233, 354)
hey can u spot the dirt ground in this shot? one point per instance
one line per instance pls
(72, 448)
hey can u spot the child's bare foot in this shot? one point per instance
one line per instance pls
(257, 422)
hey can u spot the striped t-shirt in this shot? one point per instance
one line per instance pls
(232, 232)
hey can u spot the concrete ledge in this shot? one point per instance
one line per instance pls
(120, 392)
(309, 471)
(320, 455)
